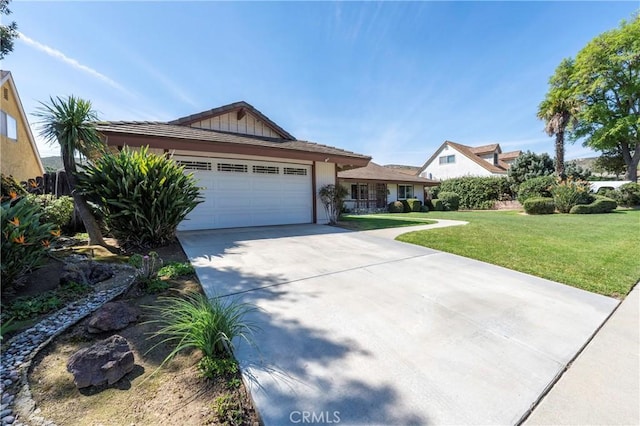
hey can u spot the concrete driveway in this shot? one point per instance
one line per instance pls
(357, 328)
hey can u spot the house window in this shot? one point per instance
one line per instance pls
(266, 170)
(194, 165)
(447, 159)
(235, 168)
(8, 126)
(360, 191)
(295, 171)
(495, 158)
(405, 191)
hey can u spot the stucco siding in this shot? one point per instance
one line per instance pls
(249, 124)
(18, 157)
(325, 175)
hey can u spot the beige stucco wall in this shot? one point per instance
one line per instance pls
(325, 175)
(17, 157)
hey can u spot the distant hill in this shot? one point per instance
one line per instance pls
(52, 163)
(585, 163)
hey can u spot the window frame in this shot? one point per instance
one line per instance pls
(404, 187)
(447, 159)
(5, 126)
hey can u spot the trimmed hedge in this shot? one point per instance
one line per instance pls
(477, 192)
(629, 194)
(539, 205)
(415, 205)
(600, 205)
(536, 187)
(424, 208)
(450, 200)
(396, 207)
(438, 206)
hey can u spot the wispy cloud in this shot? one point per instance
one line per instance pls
(72, 62)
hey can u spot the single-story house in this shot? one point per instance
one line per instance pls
(19, 154)
(250, 170)
(453, 160)
(373, 187)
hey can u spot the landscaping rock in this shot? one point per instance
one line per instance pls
(105, 362)
(112, 316)
(85, 272)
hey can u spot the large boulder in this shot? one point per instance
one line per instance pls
(86, 272)
(112, 316)
(105, 362)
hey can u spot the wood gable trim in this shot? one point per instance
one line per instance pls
(241, 108)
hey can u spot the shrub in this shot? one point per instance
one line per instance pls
(628, 195)
(216, 367)
(428, 204)
(414, 204)
(196, 322)
(478, 192)
(450, 200)
(539, 205)
(424, 208)
(569, 193)
(438, 206)
(600, 205)
(530, 165)
(143, 196)
(176, 269)
(536, 187)
(25, 240)
(148, 267)
(332, 198)
(396, 207)
(56, 211)
(10, 188)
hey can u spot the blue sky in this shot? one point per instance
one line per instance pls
(392, 80)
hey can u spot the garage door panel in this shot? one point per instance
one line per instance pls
(237, 199)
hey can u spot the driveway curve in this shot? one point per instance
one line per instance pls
(357, 328)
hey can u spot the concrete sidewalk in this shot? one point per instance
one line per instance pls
(602, 386)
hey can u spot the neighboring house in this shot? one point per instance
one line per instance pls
(19, 155)
(251, 171)
(373, 187)
(453, 160)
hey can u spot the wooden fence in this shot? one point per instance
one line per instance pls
(50, 183)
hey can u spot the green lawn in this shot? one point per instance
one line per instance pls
(599, 253)
(369, 222)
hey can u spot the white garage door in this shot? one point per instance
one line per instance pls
(240, 193)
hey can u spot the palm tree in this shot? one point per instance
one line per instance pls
(559, 110)
(69, 122)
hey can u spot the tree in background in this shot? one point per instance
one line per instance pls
(7, 32)
(606, 73)
(610, 162)
(559, 110)
(528, 166)
(576, 172)
(69, 122)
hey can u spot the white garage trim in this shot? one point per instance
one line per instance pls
(240, 193)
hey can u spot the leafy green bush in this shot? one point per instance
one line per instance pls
(148, 267)
(570, 192)
(332, 198)
(195, 321)
(25, 240)
(396, 207)
(217, 367)
(56, 211)
(424, 208)
(529, 165)
(539, 205)
(414, 204)
(600, 205)
(478, 192)
(143, 196)
(628, 195)
(450, 200)
(438, 206)
(176, 269)
(535, 187)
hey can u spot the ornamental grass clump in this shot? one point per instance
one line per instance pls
(196, 322)
(568, 193)
(25, 240)
(143, 196)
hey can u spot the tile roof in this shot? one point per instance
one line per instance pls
(236, 106)
(410, 170)
(485, 149)
(377, 172)
(181, 132)
(511, 155)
